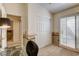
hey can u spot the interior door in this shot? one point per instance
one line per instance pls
(63, 34)
(43, 31)
(71, 31)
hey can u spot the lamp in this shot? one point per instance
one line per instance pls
(5, 23)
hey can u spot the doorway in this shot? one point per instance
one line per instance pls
(14, 32)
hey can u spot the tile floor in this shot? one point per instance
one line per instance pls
(13, 51)
(56, 51)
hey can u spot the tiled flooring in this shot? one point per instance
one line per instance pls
(56, 51)
(13, 51)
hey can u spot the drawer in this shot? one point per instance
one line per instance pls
(56, 40)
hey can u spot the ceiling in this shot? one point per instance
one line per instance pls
(57, 7)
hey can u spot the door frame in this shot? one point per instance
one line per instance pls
(20, 27)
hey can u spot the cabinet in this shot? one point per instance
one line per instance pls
(55, 38)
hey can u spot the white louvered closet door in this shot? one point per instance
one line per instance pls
(43, 31)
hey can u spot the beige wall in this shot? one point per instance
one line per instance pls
(56, 20)
(17, 9)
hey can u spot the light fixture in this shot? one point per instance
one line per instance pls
(5, 23)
